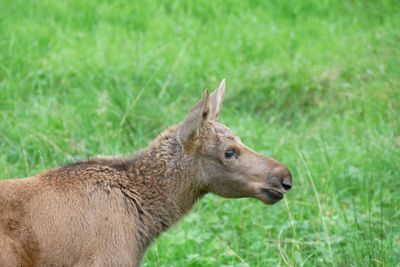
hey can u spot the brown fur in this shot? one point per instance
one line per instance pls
(107, 211)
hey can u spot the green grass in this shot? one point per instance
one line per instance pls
(316, 84)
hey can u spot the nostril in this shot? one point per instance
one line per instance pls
(287, 182)
(286, 185)
(282, 178)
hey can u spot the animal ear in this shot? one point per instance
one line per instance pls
(216, 100)
(192, 125)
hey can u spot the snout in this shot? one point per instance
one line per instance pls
(279, 181)
(283, 177)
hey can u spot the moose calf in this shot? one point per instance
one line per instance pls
(107, 211)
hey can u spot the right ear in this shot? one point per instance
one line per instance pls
(191, 127)
(216, 100)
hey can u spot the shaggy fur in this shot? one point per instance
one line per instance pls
(107, 211)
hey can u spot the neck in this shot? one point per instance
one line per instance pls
(167, 181)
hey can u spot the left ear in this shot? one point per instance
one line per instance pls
(190, 129)
(216, 100)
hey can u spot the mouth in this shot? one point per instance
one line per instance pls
(270, 196)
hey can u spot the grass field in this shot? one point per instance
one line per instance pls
(316, 84)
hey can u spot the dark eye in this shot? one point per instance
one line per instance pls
(230, 153)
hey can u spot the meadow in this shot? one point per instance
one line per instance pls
(315, 84)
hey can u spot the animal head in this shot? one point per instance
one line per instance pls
(227, 166)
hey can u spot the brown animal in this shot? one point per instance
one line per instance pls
(106, 211)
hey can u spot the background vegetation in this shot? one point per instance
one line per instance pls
(313, 83)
